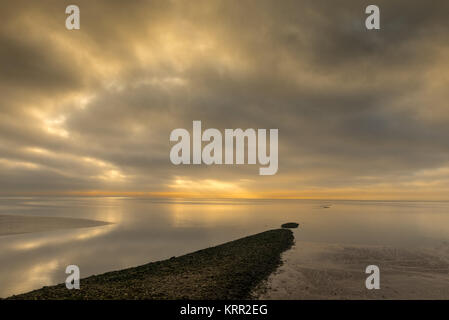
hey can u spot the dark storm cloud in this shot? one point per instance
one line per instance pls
(93, 109)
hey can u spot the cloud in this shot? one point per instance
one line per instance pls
(355, 109)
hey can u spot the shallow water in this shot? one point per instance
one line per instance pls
(145, 230)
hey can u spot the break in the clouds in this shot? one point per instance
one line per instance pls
(361, 114)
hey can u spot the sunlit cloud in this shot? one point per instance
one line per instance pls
(207, 186)
(90, 112)
(17, 164)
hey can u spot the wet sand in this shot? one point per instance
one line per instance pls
(313, 270)
(12, 224)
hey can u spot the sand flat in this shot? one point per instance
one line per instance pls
(313, 270)
(12, 224)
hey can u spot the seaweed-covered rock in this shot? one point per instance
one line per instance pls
(290, 225)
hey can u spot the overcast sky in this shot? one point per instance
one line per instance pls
(361, 114)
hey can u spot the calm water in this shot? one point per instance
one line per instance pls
(146, 230)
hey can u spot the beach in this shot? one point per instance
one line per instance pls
(271, 266)
(228, 271)
(333, 244)
(313, 270)
(15, 224)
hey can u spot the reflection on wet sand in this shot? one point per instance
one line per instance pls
(145, 230)
(37, 270)
(60, 238)
(209, 215)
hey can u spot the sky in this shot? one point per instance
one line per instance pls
(361, 114)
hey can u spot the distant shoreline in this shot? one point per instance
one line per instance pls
(16, 224)
(228, 271)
